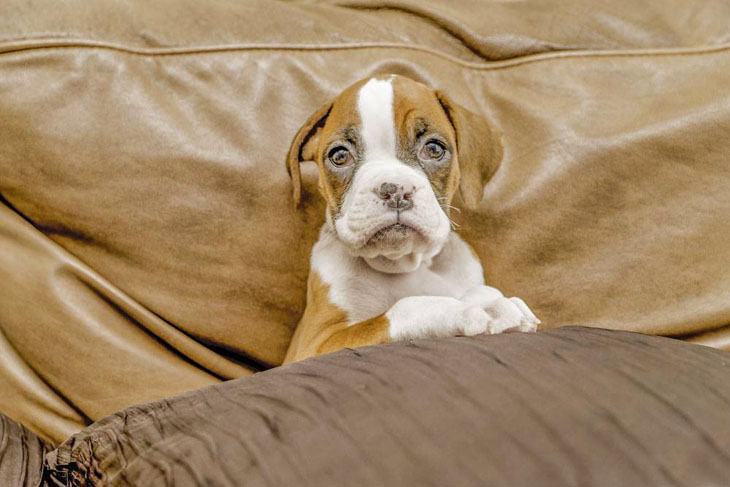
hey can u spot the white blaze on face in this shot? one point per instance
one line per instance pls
(375, 107)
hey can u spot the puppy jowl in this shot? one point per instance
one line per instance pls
(392, 153)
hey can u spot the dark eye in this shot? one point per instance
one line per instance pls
(339, 156)
(433, 150)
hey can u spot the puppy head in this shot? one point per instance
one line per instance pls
(391, 154)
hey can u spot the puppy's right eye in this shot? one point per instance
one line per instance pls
(339, 156)
(433, 150)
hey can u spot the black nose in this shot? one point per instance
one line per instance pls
(395, 196)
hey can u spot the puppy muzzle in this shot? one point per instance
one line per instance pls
(391, 210)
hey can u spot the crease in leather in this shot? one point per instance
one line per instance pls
(158, 328)
(14, 47)
(712, 337)
(155, 325)
(506, 30)
(45, 410)
(44, 400)
(452, 28)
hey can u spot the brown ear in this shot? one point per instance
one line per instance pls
(479, 149)
(302, 149)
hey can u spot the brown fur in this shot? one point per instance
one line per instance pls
(324, 328)
(479, 148)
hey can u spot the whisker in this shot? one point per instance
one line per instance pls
(442, 202)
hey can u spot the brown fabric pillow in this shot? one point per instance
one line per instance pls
(575, 406)
(21, 455)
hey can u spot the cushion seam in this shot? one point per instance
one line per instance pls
(21, 46)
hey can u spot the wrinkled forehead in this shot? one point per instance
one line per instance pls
(384, 113)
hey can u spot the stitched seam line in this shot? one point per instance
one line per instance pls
(20, 46)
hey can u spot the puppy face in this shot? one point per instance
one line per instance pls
(389, 154)
(386, 168)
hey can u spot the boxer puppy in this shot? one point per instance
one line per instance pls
(392, 153)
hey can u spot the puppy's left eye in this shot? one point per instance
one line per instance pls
(339, 156)
(433, 150)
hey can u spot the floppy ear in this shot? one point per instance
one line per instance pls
(302, 149)
(479, 149)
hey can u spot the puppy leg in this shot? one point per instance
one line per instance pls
(411, 317)
(416, 317)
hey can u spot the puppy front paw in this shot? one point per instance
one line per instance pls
(472, 321)
(505, 314)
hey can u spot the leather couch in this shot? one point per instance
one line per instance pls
(148, 245)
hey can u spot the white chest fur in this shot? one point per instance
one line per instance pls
(363, 292)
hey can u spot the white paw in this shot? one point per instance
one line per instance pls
(505, 314)
(473, 321)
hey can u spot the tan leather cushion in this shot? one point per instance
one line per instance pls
(147, 241)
